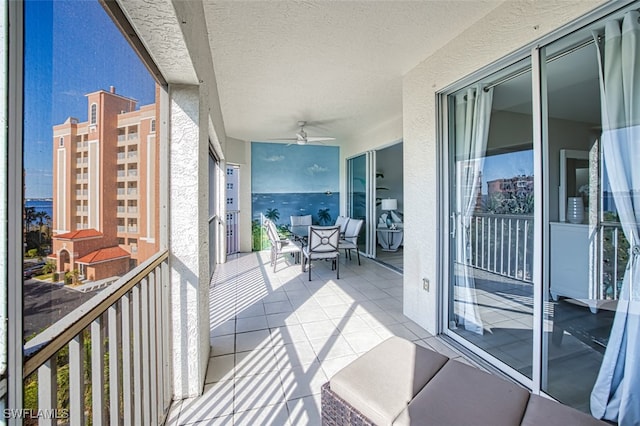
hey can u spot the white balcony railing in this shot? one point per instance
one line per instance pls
(132, 191)
(120, 191)
(502, 244)
(122, 228)
(614, 257)
(132, 173)
(124, 332)
(121, 156)
(132, 210)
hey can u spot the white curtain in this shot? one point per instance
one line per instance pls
(616, 393)
(472, 116)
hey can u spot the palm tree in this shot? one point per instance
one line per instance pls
(29, 217)
(42, 217)
(324, 217)
(272, 214)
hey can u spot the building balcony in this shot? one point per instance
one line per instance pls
(270, 352)
(132, 191)
(122, 229)
(132, 229)
(132, 136)
(132, 173)
(132, 155)
(82, 193)
(132, 210)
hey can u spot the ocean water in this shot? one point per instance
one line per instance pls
(41, 206)
(296, 204)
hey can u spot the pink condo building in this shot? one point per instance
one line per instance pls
(105, 219)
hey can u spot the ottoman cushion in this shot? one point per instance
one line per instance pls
(381, 382)
(460, 395)
(543, 411)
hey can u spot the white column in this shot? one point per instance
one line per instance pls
(188, 239)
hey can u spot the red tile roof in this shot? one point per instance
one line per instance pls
(103, 255)
(76, 235)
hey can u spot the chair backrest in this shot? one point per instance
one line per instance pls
(323, 239)
(353, 230)
(300, 220)
(342, 222)
(270, 231)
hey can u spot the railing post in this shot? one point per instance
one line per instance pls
(76, 380)
(97, 373)
(48, 388)
(114, 371)
(125, 308)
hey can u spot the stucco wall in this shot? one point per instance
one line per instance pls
(506, 29)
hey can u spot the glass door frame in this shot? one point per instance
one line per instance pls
(536, 52)
(370, 199)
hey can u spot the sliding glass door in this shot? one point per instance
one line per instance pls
(361, 198)
(492, 201)
(544, 211)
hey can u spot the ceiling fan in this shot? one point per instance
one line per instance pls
(302, 138)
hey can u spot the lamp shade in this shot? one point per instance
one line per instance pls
(389, 204)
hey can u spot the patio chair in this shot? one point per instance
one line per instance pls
(350, 240)
(301, 220)
(322, 243)
(280, 246)
(342, 222)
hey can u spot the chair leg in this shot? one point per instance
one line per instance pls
(338, 266)
(309, 269)
(358, 253)
(275, 262)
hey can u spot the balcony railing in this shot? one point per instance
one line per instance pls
(132, 210)
(502, 244)
(132, 173)
(614, 255)
(132, 136)
(124, 331)
(122, 228)
(121, 155)
(132, 191)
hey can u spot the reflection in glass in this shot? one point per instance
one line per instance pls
(358, 193)
(491, 302)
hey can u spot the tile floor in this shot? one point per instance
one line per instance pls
(277, 337)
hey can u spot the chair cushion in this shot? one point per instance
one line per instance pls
(381, 382)
(460, 395)
(543, 411)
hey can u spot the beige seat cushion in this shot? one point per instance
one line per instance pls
(542, 411)
(381, 382)
(463, 395)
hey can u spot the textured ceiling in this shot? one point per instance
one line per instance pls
(336, 64)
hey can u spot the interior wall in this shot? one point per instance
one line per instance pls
(385, 133)
(506, 29)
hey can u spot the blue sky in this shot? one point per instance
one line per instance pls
(506, 166)
(91, 54)
(277, 167)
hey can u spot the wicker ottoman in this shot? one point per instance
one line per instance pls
(378, 386)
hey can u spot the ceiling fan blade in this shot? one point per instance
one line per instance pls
(282, 139)
(320, 138)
